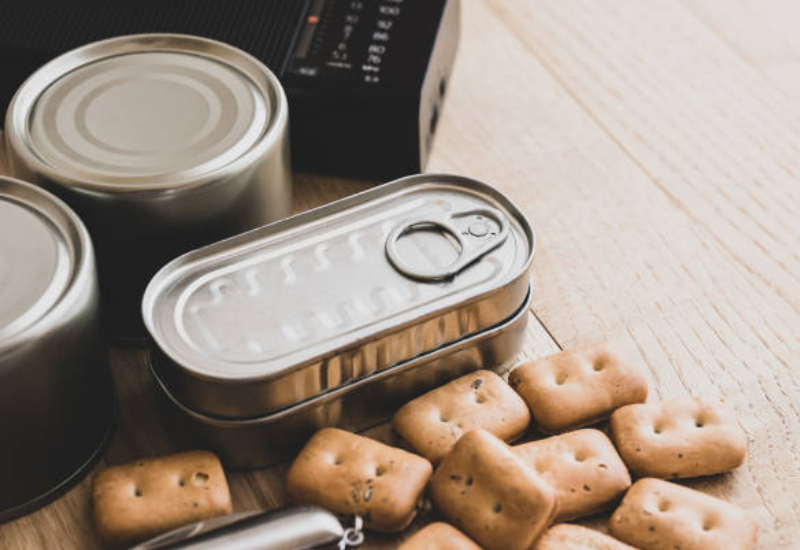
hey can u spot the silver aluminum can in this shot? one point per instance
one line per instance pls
(161, 143)
(279, 315)
(56, 404)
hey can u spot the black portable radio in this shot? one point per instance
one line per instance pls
(365, 79)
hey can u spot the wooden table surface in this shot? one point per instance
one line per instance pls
(655, 147)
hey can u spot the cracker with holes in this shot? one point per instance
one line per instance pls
(582, 467)
(354, 475)
(483, 488)
(679, 438)
(659, 515)
(575, 537)
(579, 387)
(432, 423)
(439, 536)
(136, 501)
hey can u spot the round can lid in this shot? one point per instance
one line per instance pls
(145, 110)
(36, 257)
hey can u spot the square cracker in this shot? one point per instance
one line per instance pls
(579, 387)
(432, 423)
(439, 536)
(138, 500)
(659, 515)
(483, 488)
(583, 467)
(351, 474)
(679, 438)
(575, 537)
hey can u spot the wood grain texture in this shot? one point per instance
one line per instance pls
(763, 32)
(706, 279)
(657, 159)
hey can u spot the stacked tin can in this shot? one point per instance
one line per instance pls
(338, 315)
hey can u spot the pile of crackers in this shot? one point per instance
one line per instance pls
(499, 496)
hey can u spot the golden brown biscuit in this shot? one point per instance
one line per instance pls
(679, 438)
(351, 474)
(578, 387)
(575, 537)
(483, 488)
(439, 536)
(582, 467)
(136, 501)
(659, 515)
(432, 423)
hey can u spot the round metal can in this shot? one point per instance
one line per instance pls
(56, 400)
(161, 143)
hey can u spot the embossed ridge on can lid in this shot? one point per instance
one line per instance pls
(41, 246)
(144, 112)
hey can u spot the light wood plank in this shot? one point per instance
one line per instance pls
(764, 32)
(689, 233)
(701, 122)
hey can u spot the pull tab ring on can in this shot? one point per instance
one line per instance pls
(353, 536)
(470, 251)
